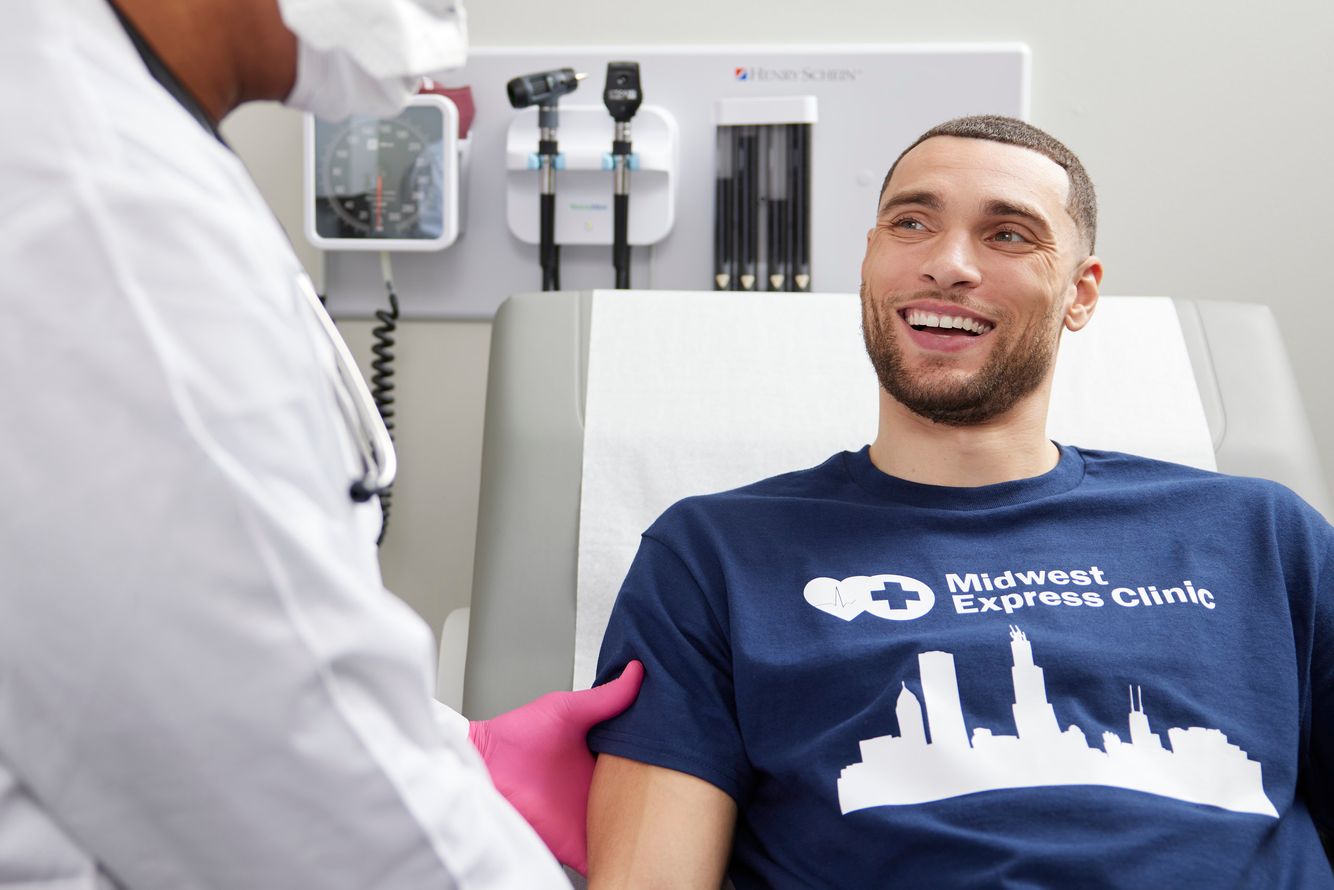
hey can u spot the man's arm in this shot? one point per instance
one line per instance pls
(661, 808)
(652, 828)
(1318, 770)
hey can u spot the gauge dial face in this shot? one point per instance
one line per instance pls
(381, 179)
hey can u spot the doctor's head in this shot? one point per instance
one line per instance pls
(332, 58)
(981, 253)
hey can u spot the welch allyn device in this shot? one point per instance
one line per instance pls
(544, 90)
(622, 96)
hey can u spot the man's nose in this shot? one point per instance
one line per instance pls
(951, 262)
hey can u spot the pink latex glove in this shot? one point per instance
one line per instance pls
(539, 760)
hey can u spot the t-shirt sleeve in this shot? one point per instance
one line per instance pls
(685, 716)
(1319, 780)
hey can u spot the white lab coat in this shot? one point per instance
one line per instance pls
(203, 683)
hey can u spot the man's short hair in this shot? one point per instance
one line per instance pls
(1082, 204)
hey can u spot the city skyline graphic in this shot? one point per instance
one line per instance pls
(1199, 765)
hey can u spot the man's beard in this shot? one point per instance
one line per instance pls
(1018, 364)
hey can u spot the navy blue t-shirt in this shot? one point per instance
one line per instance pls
(1117, 674)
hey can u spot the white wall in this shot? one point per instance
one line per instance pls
(1205, 125)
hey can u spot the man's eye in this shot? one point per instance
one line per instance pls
(909, 223)
(1010, 236)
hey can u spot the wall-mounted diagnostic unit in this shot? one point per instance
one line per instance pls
(387, 184)
(749, 168)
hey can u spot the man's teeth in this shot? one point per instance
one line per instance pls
(919, 318)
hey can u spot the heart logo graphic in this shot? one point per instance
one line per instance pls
(892, 597)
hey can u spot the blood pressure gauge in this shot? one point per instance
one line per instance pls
(384, 183)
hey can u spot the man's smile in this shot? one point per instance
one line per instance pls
(943, 328)
(920, 319)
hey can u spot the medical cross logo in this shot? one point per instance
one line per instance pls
(893, 592)
(892, 597)
(741, 73)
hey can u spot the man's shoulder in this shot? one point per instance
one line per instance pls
(825, 481)
(1118, 471)
(1119, 467)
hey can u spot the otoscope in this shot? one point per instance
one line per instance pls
(622, 96)
(544, 90)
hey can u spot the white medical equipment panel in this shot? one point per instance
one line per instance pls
(873, 101)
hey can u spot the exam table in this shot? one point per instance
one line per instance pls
(519, 632)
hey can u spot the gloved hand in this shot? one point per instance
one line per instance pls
(539, 760)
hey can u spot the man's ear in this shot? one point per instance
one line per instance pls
(1088, 278)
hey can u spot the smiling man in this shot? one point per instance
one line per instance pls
(966, 655)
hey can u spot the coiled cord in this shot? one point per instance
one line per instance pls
(382, 376)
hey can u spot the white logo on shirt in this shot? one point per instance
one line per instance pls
(895, 597)
(1201, 766)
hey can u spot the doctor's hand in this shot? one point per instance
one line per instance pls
(539, 760)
